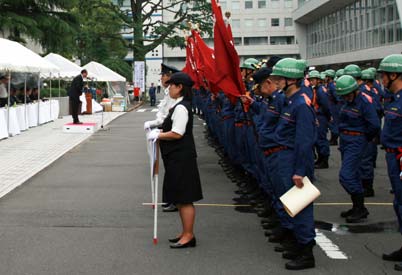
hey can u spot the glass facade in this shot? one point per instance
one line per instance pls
(360, 25)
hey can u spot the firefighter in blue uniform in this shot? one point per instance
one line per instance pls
(358, 123)
(391, 137)
(367, 162)
(321, 107)
(334, 104)
(269, 110)
(291, 157)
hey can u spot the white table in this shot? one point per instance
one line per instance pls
(3, 123)
(20, 109)
(14, 128)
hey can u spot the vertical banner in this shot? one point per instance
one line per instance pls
(139, 75)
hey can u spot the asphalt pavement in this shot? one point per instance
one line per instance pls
(84, 215)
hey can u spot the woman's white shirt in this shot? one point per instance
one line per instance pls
(179, 118)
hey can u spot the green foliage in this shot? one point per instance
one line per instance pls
(45, 92)
(48, 22)
(148, 33)
(121, 67)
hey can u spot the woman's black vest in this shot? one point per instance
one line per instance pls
(181, 148)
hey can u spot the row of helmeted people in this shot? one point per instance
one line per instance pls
(272, 133)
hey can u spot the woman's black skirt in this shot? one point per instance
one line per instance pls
(181, 184)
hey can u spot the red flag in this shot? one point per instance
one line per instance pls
(206, 64)
(228, 69)
(191, 64)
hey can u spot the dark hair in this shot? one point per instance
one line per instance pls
(84, 71)
(187, 93)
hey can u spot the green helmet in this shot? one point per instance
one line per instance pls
(289, 68)
(314, 74)
(368, 74)
(373, 69)
(340, 73)
(392, 64)
(250, 63)
(330, 73)
(323, 75)
(353, 70)
(345, 85)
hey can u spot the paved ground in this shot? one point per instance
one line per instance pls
(83, 215)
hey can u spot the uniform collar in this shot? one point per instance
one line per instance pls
(289, 100)
(177, 100)
(398, 95)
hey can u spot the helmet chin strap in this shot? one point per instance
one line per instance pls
(287, 85)
(390, 81)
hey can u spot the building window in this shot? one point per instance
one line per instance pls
(236, 23)
(288, 22)
(288, 3)
(275, 22)
(249, 41)
(262, 4)
(237, 41)
(262, 22)
(275, 3)
(282, 40)
(235, 5)
(248, 4)
(248, 23)
(223, 5)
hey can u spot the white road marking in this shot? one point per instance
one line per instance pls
(141, 110)
(331, 249)
(154, 110)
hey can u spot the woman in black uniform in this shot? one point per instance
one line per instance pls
(181, 184)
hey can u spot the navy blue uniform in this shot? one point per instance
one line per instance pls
(320, 103)
(358, 124)
(391, 138)
(294, 137)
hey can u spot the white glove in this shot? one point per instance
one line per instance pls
(147, 125)
(153, 135)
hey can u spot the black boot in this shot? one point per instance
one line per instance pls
(368, 188)
(322, 163)
(279, 235)
(359, 212)
(395, 256)
(347, 213)
(289, 244)
(304, 260)
(333, 140)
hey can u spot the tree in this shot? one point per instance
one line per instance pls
(148, 33)
(99, 38)
(48, 22)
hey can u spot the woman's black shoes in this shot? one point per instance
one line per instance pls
(175, 240)
(191, 243)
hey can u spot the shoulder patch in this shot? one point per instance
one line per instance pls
(306, 99)
(369, 98)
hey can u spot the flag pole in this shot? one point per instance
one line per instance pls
(156, 174)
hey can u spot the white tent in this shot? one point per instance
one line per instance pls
(116, 84)
(16, 58)
(103, 73)
(68, 69)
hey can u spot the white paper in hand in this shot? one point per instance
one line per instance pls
(296, 199)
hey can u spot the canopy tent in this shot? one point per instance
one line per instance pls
(103, 73)
(16, 58)
(68, 69)
(115, 82)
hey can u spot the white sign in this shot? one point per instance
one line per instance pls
(139, 75)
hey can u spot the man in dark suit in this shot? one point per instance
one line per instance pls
(74, 93)
(152, 94)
